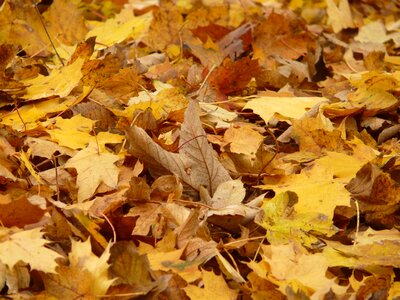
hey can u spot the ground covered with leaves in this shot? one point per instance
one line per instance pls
(199, 149)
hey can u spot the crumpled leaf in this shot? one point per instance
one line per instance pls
(195, 164)
(27, 246)
(130, 266)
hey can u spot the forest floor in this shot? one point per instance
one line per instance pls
(199, 149)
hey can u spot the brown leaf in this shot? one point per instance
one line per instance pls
(131, 267)
(234, 76)
(285, 35)
(195, 164)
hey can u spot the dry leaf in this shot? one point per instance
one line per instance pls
(196, 164)
(27, 246)
(93, 169)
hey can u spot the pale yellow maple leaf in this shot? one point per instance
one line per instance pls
(339, 16)
(215, 287)
(93, 168)
(27, 246)
(86, 276)
(291, 265)
(72, 133)
(316, 192)
(165, 99)
(290, 107)
(115, 30)
(283, 223)
(60, 82)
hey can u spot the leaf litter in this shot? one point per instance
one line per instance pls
(191, 149)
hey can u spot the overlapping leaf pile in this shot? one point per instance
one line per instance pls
(199, 149)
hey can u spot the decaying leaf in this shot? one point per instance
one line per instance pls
(224, 149)
(195, 164)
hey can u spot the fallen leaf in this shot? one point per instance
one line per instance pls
(290, 107)
(339, 15)
(93, 169)
(195, 164)
(214, 287)
(60, 82)
(85, 276)
(27, 246)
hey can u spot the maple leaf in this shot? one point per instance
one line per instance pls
(122, 26)
(60, 82)
(292, 266)
(196, 164)
(234, 76)
(215, 287)
(27, 246)
(283, 223)
(85, 276)
(73, 28)
(290, 107)
(93, 169)
(284, 34)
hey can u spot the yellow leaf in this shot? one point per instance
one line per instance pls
(60, 82)
(374, 32)
(24, 157)
(85, 277)
(290, 107)
(25, 117)
(124, 25)
(292, 265)
(339, 16)
(91, 226)
(93, 169)
(371, 248)
(243, 140)
(283, 223)
(82, 257)
(27, 246)
(215, 287)
(316, 190)
(164, 100)
(72, 133)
